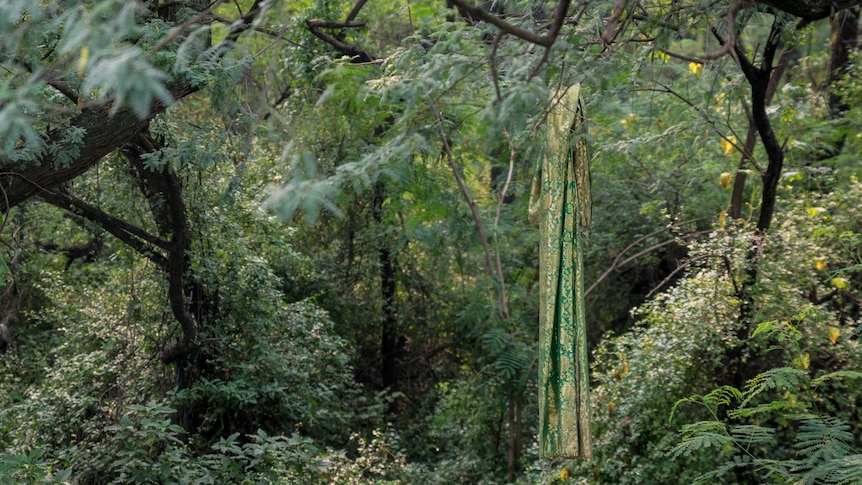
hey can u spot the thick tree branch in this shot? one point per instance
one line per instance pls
(355, 10)
(104, 134)
(759, 79)
(357, 55)
(135, 237)
(163, 190)
(180, 242)
(729, 41)
(811, 9)
(736, 197)
(532, 37)
(611, 26)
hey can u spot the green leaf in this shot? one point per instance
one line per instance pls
(703, 439)
(63, 475)
(4, 272)
(773, 379)
(841, 374)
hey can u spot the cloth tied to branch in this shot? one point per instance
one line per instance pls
(560, 203)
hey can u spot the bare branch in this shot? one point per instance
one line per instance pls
(532, 37)
(611, 27)
(355, 10)
(811, 10)
(474, 209)
(728, 43)
(136, 238)
(333, 24)
(619, 261)
(356, 54)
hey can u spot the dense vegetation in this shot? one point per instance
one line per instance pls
(287, 242)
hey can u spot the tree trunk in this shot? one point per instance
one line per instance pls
(514, 439)
(389, 347)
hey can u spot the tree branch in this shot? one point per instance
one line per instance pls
(164, 191)
(735, 210)
(532, 37)
(811, 10)
(356, 54)
(759, 79)
(619, 261)
(474, 209)
(355, 10)
(135, 237)
(103, 135)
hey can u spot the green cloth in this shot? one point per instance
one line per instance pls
(560, 202)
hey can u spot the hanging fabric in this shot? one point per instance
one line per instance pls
(560, 203)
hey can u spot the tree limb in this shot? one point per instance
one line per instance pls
(619, 261)
(811, 9)
(355, 10)
(357, 55)
(163, 189)
(104, 134)
(532, 37)
(133, 236)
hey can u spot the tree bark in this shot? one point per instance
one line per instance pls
(811, 10)
(104, 134)
(389, 348)
(736, 196)
(514, 439)
(845, 40)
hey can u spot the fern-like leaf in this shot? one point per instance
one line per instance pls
(749, 434)
(823, 443)
(841, 374)
(774, 379)
(848, 471)
(723, 395)
(701, 435)
(714, 476)
(746, 412)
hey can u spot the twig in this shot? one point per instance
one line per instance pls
(474, 209)
(532, 37)
(617, 261)
(503, 293)
(491, 65)
(356, 54)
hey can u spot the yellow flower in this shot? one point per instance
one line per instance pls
(661, 56)
(834, 333)
(696, 68)
(840, 283)
(820, 264)
(564, 474)
(802, 361)
(728, 144)
(818, 211)
(725, 178)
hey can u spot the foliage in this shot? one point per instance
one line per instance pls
(680, 348)
(824, 445)
(381, 327)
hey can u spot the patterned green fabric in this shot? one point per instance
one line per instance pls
(560, 202)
